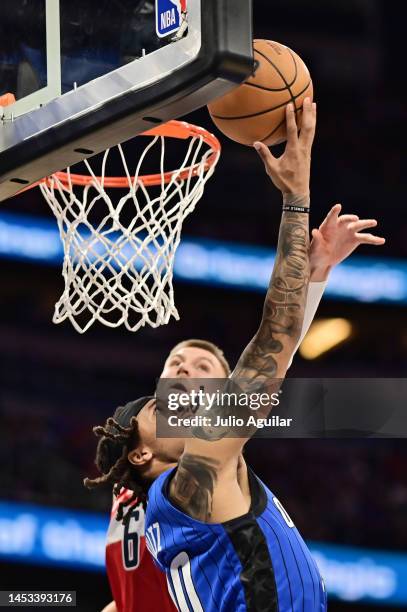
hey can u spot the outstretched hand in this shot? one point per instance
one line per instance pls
(336, 238)
(290, 173)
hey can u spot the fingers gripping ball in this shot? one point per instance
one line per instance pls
(256, 109)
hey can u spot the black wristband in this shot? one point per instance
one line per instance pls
(295, 209)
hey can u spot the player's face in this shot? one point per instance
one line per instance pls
(156, 454)
(192, 362)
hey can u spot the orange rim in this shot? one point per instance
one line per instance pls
(7, 99)
(172, 129)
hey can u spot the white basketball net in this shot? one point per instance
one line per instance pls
(119, 255)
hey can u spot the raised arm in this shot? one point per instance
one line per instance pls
(267, 356)
(208, 462)
(335, 240)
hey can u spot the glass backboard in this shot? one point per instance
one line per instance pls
(88, 75)
(30, 66)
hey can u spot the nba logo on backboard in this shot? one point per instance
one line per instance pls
(169, 16)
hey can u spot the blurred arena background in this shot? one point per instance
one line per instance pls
(55, 385)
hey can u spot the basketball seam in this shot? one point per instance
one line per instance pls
(278, 72)
(277, 69)
(264, 88)
(286, 82)
(284, 79)
(275, 129)
(293, 99)
(310, 83)
(268, 110)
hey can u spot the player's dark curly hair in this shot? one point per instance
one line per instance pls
(120, 473)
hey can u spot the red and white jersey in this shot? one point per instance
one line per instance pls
(136, 582)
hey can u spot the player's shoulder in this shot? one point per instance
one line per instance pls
(158, 491)
(162, 510)
(161, 507)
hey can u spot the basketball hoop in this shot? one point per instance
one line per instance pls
(119, 254)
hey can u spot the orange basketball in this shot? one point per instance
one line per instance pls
(256, 109)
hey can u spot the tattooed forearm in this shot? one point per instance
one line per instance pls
(263, 363)
(284, 306)
(193, 485)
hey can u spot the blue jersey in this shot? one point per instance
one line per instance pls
(257, 562)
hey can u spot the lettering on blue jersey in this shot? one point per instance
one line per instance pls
(153, 539)
(181, 584)
(283, 512)
(257, 562)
